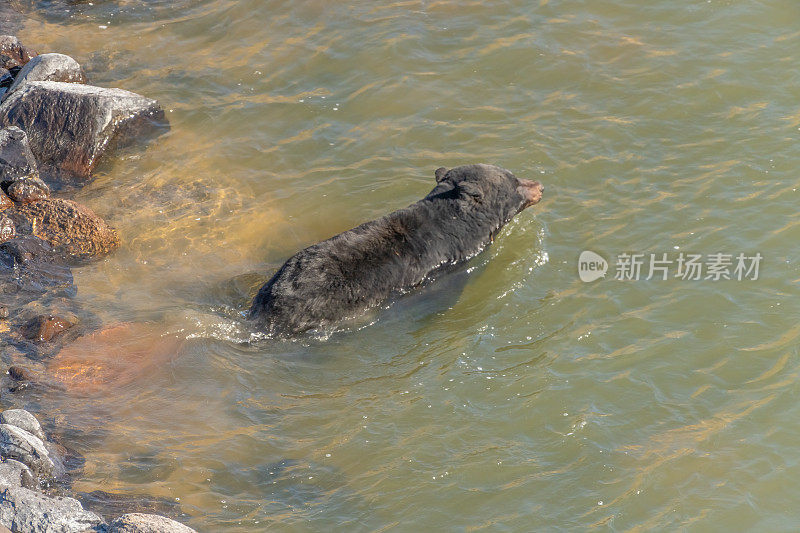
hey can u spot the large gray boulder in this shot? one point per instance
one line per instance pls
(13, 53)
(23, 420)
(22, 509)
(70, 125)
(18, 444)
(147, 523)
(15, 474)
(48, 67)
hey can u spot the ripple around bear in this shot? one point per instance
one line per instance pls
(347, 274)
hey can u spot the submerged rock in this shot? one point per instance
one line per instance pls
(23, 509)
(13, 53)
(16, 158)
(5, 201)
(70, 125)
(29, 269)
(24, 250)
(73, 230)
(20, 373)
(112, 357)
(49, 67)
(23, 420)
(112, 504)
(147, 523)
(43, 328)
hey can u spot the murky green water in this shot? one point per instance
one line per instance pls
(514, 398)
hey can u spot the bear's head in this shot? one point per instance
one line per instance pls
(489, 188)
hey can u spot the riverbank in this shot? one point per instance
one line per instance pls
(54, 129)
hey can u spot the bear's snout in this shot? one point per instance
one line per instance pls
(532, 192)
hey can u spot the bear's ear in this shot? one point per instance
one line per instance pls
(440, 172)
(470, 188)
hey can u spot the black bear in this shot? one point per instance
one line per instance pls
(342, 277)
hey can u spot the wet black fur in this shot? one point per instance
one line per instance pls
(343, 276)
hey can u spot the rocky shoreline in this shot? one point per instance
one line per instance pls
(29, 463)
(54, 129)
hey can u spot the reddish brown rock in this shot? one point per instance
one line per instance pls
(5, 201)
(25, 191)
(44, 327)
(112, 357)
(73, 230)
(13, 53)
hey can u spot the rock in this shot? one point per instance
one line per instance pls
(111, 504)
(49, 67)
(5, 201)
(147, 523)
(73, 230)
(8, 229)
(25, 191)
(3, 312)
(6, 79)
(9, 18)
(110, 358)
(18, 444)
(31, 265)
(43, 328)
(57, 454)
(20, 373)
(15, 474)
(16, 159)
(27, 249)
(22, 509)
(23, 420)
(13, 53)
(70, 125)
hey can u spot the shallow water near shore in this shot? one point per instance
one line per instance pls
(514, 397)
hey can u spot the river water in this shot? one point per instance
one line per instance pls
(510, 395)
